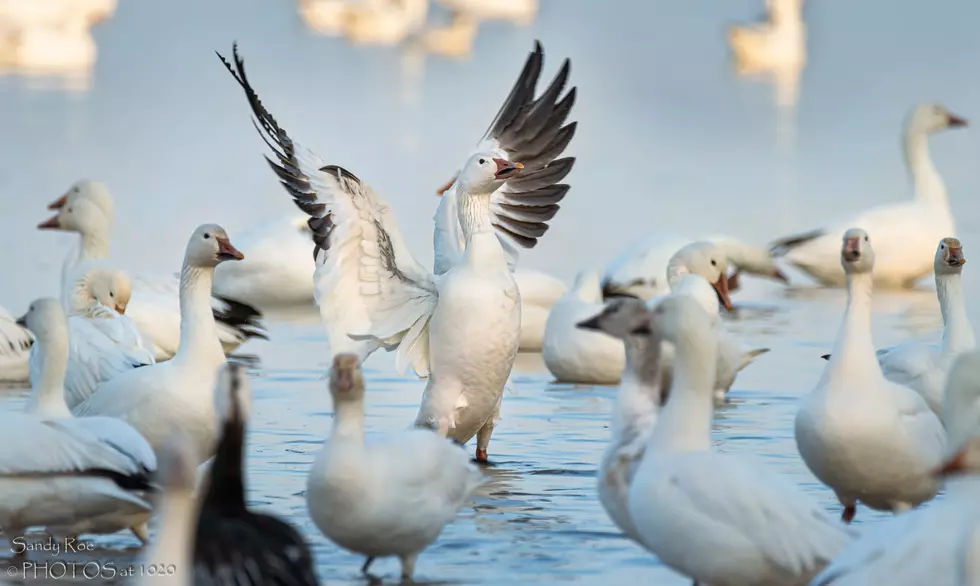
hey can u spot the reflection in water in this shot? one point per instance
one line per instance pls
(49, 41)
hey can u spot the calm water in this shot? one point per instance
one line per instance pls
(668, 137)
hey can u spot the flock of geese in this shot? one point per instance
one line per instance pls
(135, 409)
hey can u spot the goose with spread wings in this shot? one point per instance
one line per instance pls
(458, 326)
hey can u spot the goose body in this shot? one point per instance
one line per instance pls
(518, 11)
(158, 398)
(390, 498)
(15, 349)
(459, 325)
(778, 43)
(926, 546)
(373, 22)
(87, 475)
(720, 519)
(87, 209)
(906, 233)
(233, 545)
(867, 438)
(641, 269)
(539, 292)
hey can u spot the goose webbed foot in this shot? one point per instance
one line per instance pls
(848, 514)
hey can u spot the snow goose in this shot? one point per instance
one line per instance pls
(231, 540)
(383, 23)
(923, 367)
(905, 232)
(390, 498)
(637, 404)
(640, 270)
(776, 44)
(87, 209)
(539, 292)
(103, 341)
(159, 398)
(49, 362)
(921, 546)
(461, 324)
(15, 349)
(574, 354)
(867, 438)
(721, 519)
(278, 266)
(173, 550)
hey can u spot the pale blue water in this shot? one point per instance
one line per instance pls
(669, 138)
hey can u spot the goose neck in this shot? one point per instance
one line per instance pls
(474, 213)
(94, 245)
(853, 357)
(348, 420)
(178, 515)
(957, 331)
(685, 423)
(639, 395)
(226, 490)
(198, 330)
(47, 398)
(929, 185)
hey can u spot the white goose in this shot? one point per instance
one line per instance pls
(921, 546)
(173, 549)
(778, 43)
(905, 232)
(101, 467)
(639, 271)
(461, 324)
(277, 268)
(385, 22)
(15, 349)
(383, 499)
(539, 292)
(87, 209)
(576, 355)
(923, 367)
(637, 404)
(159, 398)
(721, 519)
(867, 438)
(103, 341)
(521, 12)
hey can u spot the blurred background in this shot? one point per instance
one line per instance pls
(130, 93)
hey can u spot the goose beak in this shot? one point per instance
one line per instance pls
(721, 287)
(58, 203)
(51, 223)
(445, 188)
(957, 122)
(955, 257)
(953, 466)
(852, 249)
(506, 169)
(226, 251)
(121, 309)
(780, 276)
(590, 324)
(22, 321)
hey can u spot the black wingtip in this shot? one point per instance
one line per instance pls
(826, 357)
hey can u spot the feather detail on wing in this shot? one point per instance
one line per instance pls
(531, 132)
(371, 291)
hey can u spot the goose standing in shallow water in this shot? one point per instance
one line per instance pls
(87, 209)
(178, 393)
(234, 545)
(460, 325)
(85, 475)
(637, 404)
(15, 349)
(722, 519)
(103, 341)
(905, 233)
(923, 546)
(867, 438)
(391, 498)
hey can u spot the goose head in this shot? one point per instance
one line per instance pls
(232, 395)
(749, 258)
(78, 214)
(346, 379)
(949, 257)
(94, 190)
(930, 118)
(708, 261)
(46, 319)
(209, 246)
(484, 173)
(697, 288)
(587, 287)
(111, 288)
(621, 319)
(856, 254)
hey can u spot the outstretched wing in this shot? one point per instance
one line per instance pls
(370, 289)
(526, 130)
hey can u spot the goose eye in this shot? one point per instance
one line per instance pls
(942, 246)
(110, 294)
(713, 263)
(69, 210)
(206, 235)
(865, 238)
(483, 161)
